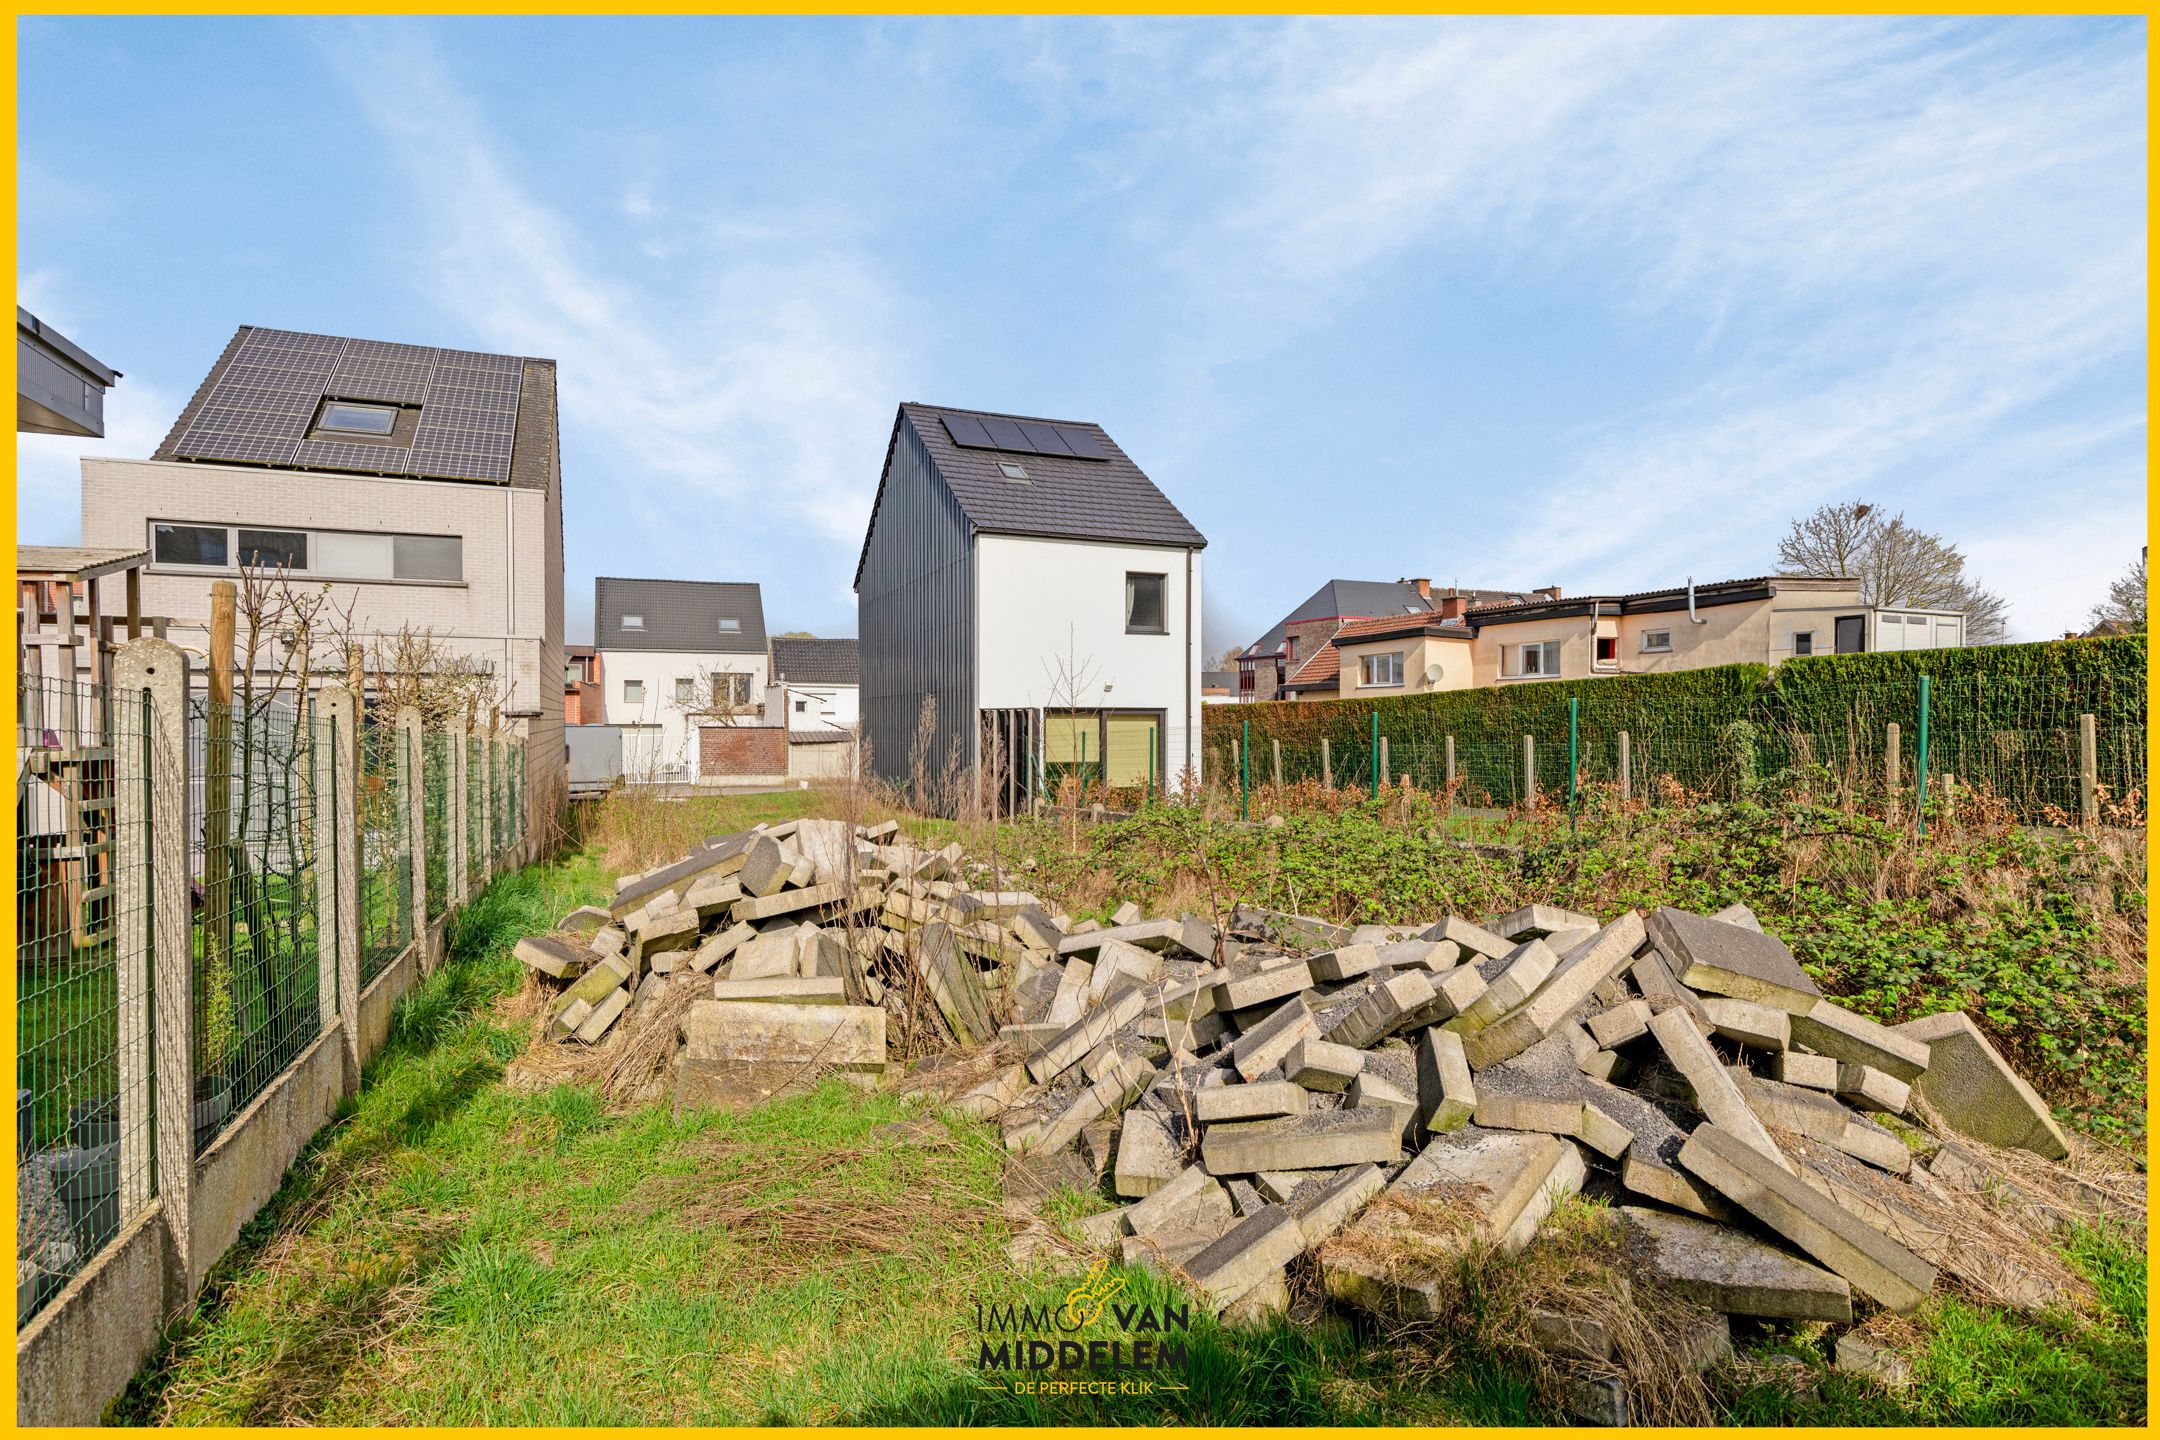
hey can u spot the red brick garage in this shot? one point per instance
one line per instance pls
(742, 750)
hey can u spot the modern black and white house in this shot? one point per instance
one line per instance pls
(1028, 587)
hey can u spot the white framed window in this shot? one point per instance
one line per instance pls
(685, 691)
(1803, 642)
(633, 622)
(1375, 670)
(1656, 640)
(1539, 657)
(322, 554)
(633, 692)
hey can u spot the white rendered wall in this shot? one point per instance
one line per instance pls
(659, 670)
(1048, 608)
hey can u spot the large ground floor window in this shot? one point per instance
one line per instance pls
(1121, 747)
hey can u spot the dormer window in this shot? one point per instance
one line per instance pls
(729, 625)
(633, 622)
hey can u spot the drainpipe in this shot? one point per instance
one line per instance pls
(1187, 683)
(1693, 618)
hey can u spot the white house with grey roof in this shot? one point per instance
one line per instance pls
(1027, 586)
(678, 657)
(819, 683)
(421, 485)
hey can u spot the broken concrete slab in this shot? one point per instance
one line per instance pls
(1715, 1093)
(816, 1037)
(1729, 1271)
(1323, 1066)
(1472, 1186)
(1976, 1092)
(1312, 1141)
(1148, 1155)
(1121, 1081)
(596, 1022)
(1813, 1072)
(1253, 1249)
(1191, 1197)
(1258, 1100)
(1535, 921)
(1262, 984)
(784, 989)
(1732, 960)
(1475, 939)
(1510, 980)
(1871, 1089)
(1345, 963)
(1333, 1201)
(1828, 1028)
(767, 866)
(1884, 1270)
(1569, 986)
(557, 956)
(1447, 1094)
(1385, 1009)
(1148, 935)
(1083, 1036)
(788, 902)
(1262, 1048)
(1374, 1091)
(1744, 1022)
(1618, 1024)
(1654, 977)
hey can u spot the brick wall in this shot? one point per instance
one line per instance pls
(742, 750)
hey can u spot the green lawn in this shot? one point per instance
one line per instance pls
(456, 1252)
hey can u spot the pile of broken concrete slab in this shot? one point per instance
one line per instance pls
(790, 951)
(1388, 1100)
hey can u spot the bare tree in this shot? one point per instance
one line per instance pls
(2124, 608)
(1896, 565)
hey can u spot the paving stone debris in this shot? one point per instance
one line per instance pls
(1276, 1095)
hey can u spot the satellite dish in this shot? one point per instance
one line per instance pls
(1432, 673)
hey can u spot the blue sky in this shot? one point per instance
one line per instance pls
(1504, 302)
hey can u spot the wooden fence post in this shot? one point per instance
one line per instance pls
(412, 798)
(1327, 765)
(457, 825)
(1529, 771)
(1276, 746)
(1384, 772)
(1627, 777)
(1890, 771)
(1451, 760)
(2088, 771)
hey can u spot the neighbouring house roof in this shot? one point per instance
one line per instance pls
(1368, 599)
(802, 661)
(679, 615)
(819, 737)
(1649, 602)
(461, 414)
(576, 652)
(1318, 673)
(1218, 680)
(1398, 627)
(1067, 496)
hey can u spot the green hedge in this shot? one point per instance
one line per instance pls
(2003, 717)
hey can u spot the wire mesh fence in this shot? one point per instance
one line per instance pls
(476, 852)
(2039, 750)
(82, 958)
(252, 836)
(386, 912)
(436, 761)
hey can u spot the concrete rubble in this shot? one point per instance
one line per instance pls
(1380, 1104)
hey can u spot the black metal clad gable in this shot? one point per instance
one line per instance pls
(915, 616)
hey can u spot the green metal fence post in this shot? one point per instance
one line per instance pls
(1573, 709)
(1244, 787)
(1920, 792)
(1376, 754)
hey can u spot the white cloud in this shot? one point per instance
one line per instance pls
(748, 384)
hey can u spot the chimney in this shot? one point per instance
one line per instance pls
(1550, 592)
(1424, 589)
(1453, 605)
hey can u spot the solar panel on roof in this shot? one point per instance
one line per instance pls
(968, 431)
(1044, 438)
(1080, 442)
(1007, 435)
(263, 404)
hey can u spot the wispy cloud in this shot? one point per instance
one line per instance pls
(733, 400)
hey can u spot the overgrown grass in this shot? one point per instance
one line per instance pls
(457, 1252)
